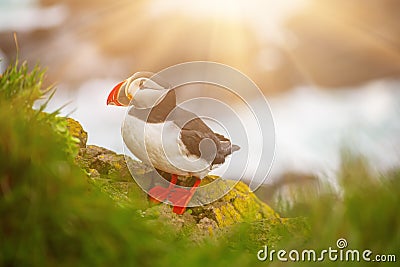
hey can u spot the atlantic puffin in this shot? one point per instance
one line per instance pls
(172, 139)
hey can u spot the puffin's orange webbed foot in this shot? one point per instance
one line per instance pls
(178, 196)
(159, 194)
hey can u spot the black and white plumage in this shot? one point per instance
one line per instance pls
(170, 138)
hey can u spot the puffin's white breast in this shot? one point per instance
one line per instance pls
(160, 145)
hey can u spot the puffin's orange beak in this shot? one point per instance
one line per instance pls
(113, 96)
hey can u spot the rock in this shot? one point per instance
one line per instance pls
(107, 164)
(239, 204)
(110, 171)
(289, 186)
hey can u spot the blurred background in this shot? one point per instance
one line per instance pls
(329, 69)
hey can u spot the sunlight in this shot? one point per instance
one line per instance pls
(209, 8)
(264, 16)
(227, 9)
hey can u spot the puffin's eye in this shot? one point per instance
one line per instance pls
(141, 83)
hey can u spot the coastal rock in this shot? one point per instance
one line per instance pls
(110, 171)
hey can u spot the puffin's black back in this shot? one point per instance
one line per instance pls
(193, 129)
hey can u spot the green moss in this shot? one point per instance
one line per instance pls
(240, 205)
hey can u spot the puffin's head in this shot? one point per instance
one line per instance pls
(138, 90)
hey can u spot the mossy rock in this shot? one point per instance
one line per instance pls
(77, 131)
(110, 171)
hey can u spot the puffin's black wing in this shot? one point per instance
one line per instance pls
(194, 130)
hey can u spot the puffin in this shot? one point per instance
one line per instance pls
(169, 138)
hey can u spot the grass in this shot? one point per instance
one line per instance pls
(364, 212)
(52, 216)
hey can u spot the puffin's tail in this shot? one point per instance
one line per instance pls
(226, 148)
(234, 148)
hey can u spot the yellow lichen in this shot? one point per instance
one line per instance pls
(76, 130)
(117, 166)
